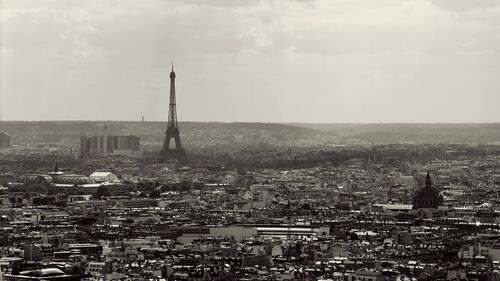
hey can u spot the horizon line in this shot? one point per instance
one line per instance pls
(257, 122)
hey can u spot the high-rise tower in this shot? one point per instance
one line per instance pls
(177, 152)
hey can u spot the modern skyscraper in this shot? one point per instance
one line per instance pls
(177, 152)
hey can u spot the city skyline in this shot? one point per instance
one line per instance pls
(257, 140)
(264, 61)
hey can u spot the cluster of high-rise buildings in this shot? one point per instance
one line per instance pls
(109, 144)
(4, 140)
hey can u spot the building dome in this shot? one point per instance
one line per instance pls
(36, 178)
(428, 196)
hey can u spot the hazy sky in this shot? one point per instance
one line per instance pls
(246, 60)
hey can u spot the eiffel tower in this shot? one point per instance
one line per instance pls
(175, 153)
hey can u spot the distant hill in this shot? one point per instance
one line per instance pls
(24, 132)
(416, 133)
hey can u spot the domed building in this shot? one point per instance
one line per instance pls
(38, 179)
(427, 197)
(59, 178)
(70, 179)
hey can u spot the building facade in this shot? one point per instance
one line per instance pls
(109, 144)
(4, 140)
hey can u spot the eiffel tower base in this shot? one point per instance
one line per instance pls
(173, 154)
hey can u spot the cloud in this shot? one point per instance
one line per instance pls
(465, 5)
(355, 60)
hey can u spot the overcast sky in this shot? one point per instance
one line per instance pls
(245, 60)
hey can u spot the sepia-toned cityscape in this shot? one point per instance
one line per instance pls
(326, 143)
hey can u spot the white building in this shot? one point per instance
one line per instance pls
(104, 177)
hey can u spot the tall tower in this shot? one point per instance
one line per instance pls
(177, 152)
(105, 140)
